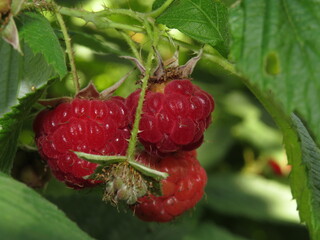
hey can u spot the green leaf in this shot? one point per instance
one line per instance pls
(94, 211)
(212, 232)
(26, 215)
(21, 84)
(100, 159)
(304, 177)
(204, 20)
(274, 46)
(157, 3)
(37, 32)
(251, 196)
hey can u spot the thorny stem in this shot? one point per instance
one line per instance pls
(135, 130)
(153, 35)
(132, 46)
(98, 18)
(161, 9)
(67, 40)
(127, 12)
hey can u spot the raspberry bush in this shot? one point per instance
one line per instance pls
(234, 81)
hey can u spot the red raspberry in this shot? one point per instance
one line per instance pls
(181, 190)
(91, 126)
(173, 119)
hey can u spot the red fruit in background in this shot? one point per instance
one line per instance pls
(181, 190)
(90, 126)
(175, 116)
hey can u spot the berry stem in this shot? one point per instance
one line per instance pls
(161, 9)
(135, 129)
(99, 18)
(70, 53)
(132, 46)
(154, 37)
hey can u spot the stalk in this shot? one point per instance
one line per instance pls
(70, 53)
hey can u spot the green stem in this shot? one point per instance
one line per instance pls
(154, 37)
(126, 12)
(67, 40)
(132, 46)
(98, 19)
(135, 130)
(161, 9)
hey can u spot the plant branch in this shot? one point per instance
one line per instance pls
(67, 40)
(135, 129)
(99, 19)
(131, 45)
(161, 9)
(126, 12)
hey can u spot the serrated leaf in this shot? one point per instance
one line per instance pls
(305, 181)
(274, 45)
(203, 20)
(26, 215)
(274, 48)
(37, 32)
(22, 82)
(251, 196)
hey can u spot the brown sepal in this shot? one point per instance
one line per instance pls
(89, 92)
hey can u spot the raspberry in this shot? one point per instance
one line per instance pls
(90, 126)
(174, 117)
(181, 190)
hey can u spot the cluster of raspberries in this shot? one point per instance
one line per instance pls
(175, 116)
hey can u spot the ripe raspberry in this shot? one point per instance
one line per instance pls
(181, 190)
(175, 116)
(90, 126)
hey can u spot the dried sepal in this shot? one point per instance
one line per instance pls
(107, 93)
(53, 102)
(89, 92)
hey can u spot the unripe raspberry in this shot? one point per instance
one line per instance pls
(174, 118)
(90, 126)
(181, 190)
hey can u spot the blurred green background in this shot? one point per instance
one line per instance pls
(247, 195)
